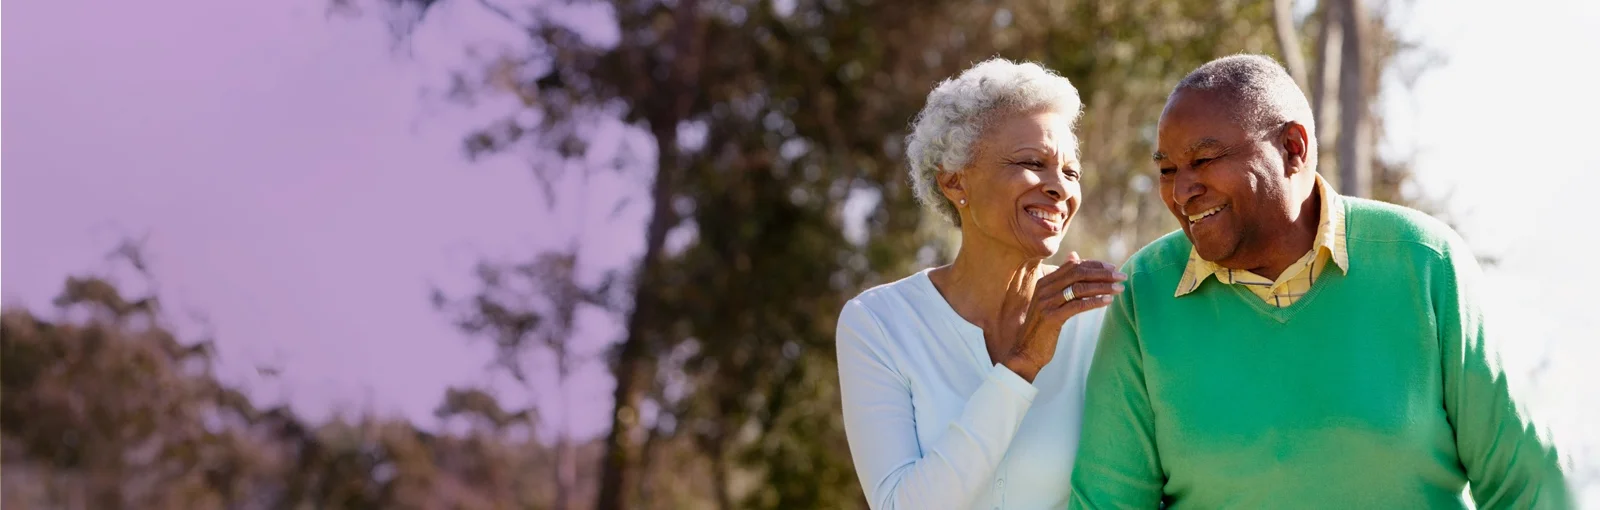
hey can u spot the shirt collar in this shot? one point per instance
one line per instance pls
(1330, 236)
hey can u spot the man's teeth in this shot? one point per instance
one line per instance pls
(1046, 216)
(1197, 217)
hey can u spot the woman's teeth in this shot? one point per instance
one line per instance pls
(1049, 217)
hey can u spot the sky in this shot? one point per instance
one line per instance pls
(1503, 127)
(301, 184)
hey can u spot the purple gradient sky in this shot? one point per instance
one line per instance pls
(298, 190)
(294, 186)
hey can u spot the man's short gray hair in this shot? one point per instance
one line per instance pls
(960, 108)
(1263, 94)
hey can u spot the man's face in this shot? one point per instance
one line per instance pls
(1226, 186)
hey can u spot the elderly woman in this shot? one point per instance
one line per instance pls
(963, 384)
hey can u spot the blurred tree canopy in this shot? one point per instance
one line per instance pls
(105, 406)
(777, 131)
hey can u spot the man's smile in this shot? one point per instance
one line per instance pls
(1196, 218)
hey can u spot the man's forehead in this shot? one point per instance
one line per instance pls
(1204, 109)
(1201, 144)
(1193, 121)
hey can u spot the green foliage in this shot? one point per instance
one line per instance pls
(161, 441)
(105, 407)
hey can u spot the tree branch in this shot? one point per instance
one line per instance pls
(503, 13)
(1324, 78)
(1289, 40)
(1355, 145)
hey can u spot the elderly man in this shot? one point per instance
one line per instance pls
(1293, 348)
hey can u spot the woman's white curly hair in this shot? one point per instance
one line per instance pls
(960, 108)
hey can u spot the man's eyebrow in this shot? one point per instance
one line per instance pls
(1202, 144)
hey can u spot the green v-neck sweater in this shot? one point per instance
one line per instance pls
(1378, 389)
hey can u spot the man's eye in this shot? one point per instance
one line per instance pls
(1202, 161)
(1033, 164)
(1169, 170)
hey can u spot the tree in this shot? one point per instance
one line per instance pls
(1354, 46)
(524, 308)
(116, 412)
(654, 74)
(106, 406)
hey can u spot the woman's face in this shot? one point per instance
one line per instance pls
(1021, 187)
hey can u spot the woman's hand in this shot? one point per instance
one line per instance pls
(1093, 285)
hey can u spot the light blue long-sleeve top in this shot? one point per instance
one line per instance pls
(933, 423)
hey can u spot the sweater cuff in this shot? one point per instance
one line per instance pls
(1014, 382)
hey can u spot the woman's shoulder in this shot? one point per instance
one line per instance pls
(882, 297)
(883, 311)
(872, 324)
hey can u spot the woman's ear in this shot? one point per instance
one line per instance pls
(951, 185)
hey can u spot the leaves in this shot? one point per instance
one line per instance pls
(115, 411)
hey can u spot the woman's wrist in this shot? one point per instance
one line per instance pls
(1022, 366)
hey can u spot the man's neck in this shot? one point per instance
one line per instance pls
(1292, 243)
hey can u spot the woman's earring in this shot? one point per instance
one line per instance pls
(963, 201)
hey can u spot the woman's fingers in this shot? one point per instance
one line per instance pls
(1093, 286)
(1077, 306)
(1093, 283)
(1085, 296)
(1089, 289)
(1073, 273)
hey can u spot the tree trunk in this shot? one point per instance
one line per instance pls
(1323, 83)
(719, 473)
(1289, 40)
(1355, 151)
(647, 469)
(621, 449)
(566, 472)
(670, 105)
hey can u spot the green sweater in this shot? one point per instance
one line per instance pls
(1378, 389)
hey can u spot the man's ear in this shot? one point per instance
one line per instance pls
(1296, 144)
(951, 185)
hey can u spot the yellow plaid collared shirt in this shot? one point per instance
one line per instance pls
(1298, 278)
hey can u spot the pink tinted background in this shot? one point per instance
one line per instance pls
(299, 185)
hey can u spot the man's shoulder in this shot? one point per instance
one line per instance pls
(1165, 253)
(1372, 221)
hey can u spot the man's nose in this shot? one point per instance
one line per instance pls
(1185, 187)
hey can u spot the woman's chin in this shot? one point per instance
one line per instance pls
(1043, 248)
(1036, 243)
